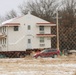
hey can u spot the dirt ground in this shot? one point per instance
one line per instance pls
(43, 66)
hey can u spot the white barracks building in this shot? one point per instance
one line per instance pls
(26, 32)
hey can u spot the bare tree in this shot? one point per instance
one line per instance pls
(1, 19)
(68, 25)
(69, 12)
(40, 8)
(11, 14)
(23, 8)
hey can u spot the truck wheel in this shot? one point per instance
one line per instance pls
(39, 57)
(55, 56)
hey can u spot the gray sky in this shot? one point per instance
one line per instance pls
(7, 5)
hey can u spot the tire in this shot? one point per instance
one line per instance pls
(39, 57)
(55, 56)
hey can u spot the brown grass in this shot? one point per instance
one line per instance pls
(29, 64)
(75, 73)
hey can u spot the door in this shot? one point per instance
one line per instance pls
(29, 45)
(44, 53)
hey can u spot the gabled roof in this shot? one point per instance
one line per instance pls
(9, 23)
(29, 17)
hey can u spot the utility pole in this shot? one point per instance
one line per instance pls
(57, 19)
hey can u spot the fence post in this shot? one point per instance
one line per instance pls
(57, 30)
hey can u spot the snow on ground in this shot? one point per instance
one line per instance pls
(43, 66)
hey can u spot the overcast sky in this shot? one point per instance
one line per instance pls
(7, 5)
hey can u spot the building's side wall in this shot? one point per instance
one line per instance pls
(36, 40)
(3, 39)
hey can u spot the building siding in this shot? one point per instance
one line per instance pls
(18, 40)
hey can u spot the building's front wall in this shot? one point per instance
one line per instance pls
(18, 40)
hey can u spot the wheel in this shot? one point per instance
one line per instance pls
(39, 57)
(55, 56)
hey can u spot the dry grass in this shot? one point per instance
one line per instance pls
(75, 73)
(42, 66)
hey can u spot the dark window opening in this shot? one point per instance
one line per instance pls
(16, 28)
(41, 28)
(29, 41)
(29, 27)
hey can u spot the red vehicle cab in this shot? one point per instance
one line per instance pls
(47, 53)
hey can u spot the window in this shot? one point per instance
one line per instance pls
(16, 28)
(41, 28)
(3, 29)
(29, 27)
(0, 41)
(41, 39)
(48, 38)
(42, 45)
(41, 32)
(29, 41)
(3, 41)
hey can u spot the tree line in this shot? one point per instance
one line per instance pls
(46, 9)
